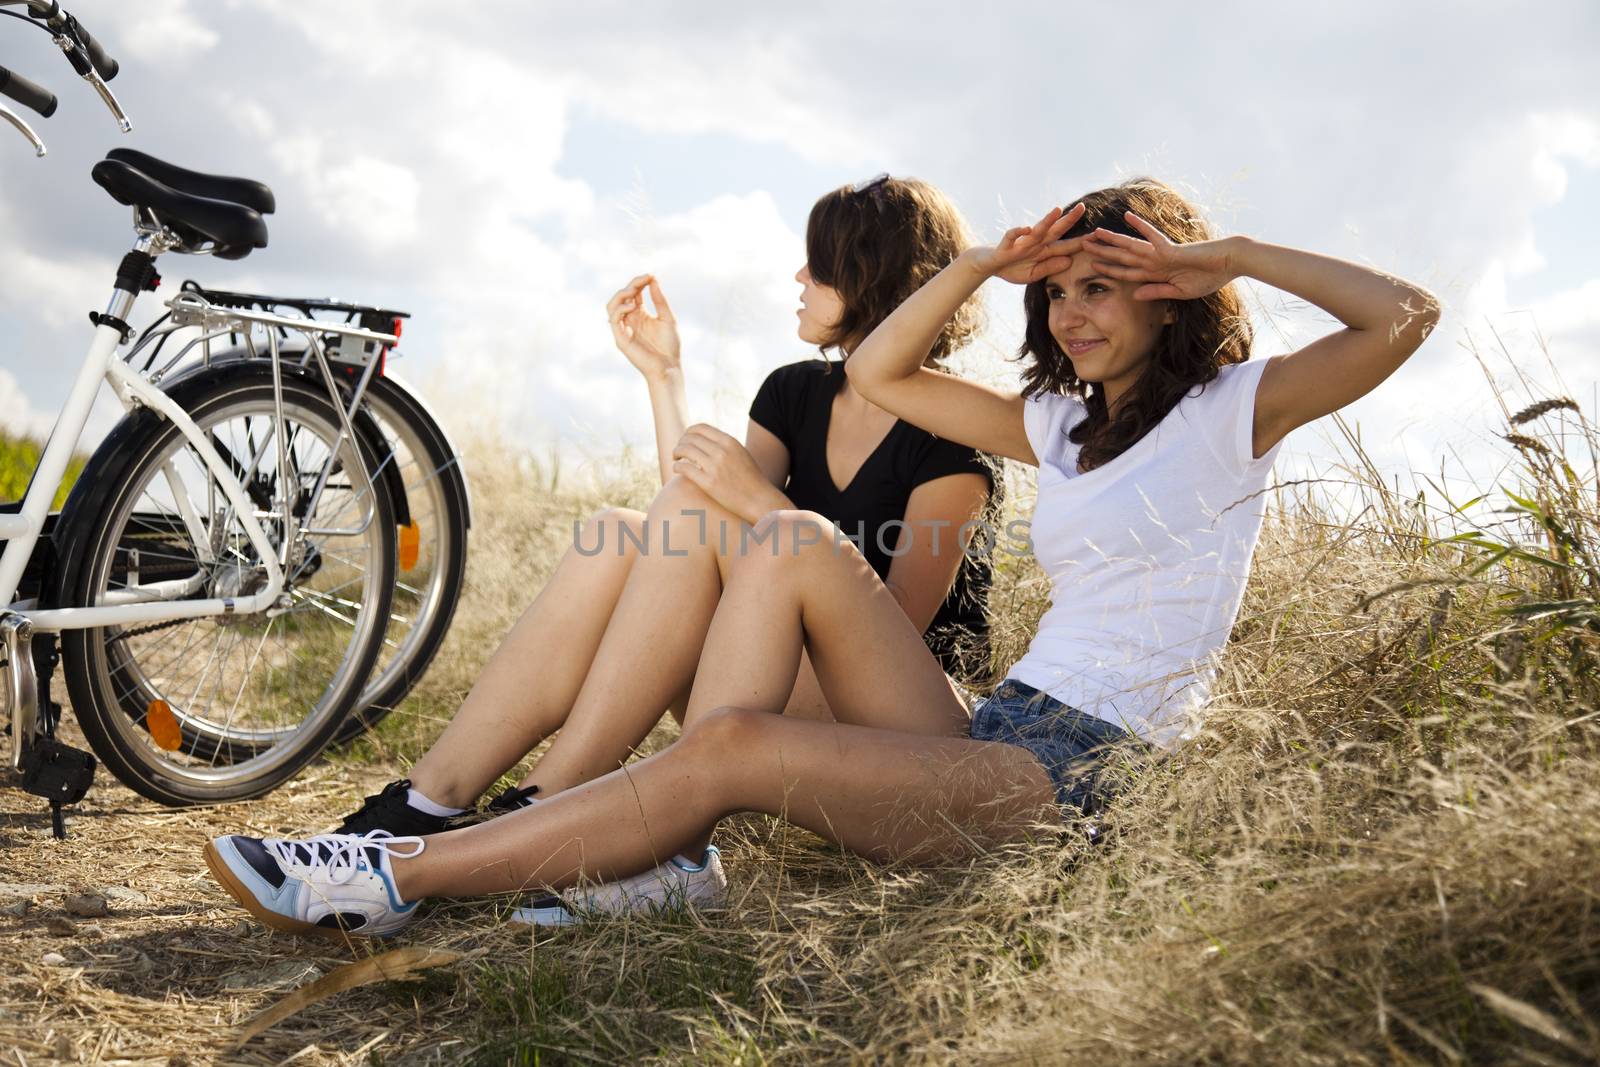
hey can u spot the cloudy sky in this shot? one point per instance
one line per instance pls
(500, 168)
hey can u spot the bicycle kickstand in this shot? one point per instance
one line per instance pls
(57, 772)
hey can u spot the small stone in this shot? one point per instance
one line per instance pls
(122, 894)
(177, 1059)
(91, 930)
(61, 927)
(242, 929)
(17, 908)
(274, 976)
(53, 959)
(87, 905)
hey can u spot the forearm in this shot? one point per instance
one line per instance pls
(896, 350)
(1360, 297)
(669, 407)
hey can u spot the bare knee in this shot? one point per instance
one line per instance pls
(784, 538)
(680, 495)
(614, 532)
(726, 731)
(692, 523)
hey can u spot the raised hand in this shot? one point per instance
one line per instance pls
(1028, 253)
(649, 341)
(1165, 270)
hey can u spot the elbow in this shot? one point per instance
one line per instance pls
(1416, 317)
(1425, 308)
(861, 377)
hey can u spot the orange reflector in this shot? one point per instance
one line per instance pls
(410, 545)
(163, 725)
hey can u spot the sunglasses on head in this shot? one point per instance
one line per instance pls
(872, 186)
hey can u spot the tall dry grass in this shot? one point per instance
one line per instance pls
(1383, 848)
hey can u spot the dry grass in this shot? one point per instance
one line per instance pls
(1384, 849)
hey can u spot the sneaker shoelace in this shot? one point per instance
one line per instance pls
(512, 799)
(338, 856)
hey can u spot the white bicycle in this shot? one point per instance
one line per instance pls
(220, 578)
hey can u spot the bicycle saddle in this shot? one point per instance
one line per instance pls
(233, 228)
(211, 186)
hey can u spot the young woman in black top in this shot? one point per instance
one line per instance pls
(615, 636)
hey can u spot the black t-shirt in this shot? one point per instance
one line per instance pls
(795, 403)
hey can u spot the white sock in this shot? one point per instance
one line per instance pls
(415, 799)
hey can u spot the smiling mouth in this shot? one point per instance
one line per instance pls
(1075, 348)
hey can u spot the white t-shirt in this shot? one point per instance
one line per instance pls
(1147, 556)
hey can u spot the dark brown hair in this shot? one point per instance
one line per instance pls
(1205, 334)
(877, 244)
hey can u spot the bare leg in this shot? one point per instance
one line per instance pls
(879, 792)
(806, 702)
(652, 642)
(872, 665)
(573, 661)
(530, 682)
(882, 794)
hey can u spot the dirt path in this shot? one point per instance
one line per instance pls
(172, 968)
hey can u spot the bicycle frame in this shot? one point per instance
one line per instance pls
(160, 601)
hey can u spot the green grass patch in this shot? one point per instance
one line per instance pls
(19, 457)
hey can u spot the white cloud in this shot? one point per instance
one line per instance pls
(421, 157)
(17, 413)
(154, 31)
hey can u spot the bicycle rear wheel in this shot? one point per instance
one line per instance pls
(432, 551)
(224, 707)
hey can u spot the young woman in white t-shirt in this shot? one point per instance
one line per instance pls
(1153, 437)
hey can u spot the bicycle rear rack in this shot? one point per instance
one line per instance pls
(191, 309)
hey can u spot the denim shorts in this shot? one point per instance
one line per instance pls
(1074, 747)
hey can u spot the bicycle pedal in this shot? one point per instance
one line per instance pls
(59, 773)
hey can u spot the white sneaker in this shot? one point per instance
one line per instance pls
(675, 884)
(329, 885)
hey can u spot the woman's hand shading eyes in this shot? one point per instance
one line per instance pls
(1161, 269)
(1028, 253)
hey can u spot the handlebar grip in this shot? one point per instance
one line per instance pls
(25, 92)
(103, 63)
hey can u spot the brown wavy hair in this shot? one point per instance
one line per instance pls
(1205, 334)
(877, 247)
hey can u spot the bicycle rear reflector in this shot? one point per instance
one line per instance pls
(163, 726)
(410, 545)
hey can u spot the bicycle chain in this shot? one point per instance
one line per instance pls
(152, 628)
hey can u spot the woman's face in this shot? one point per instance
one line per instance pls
(820, 308)
(1107, 334)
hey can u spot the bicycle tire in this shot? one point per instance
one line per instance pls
(438, 503)
(116, 511)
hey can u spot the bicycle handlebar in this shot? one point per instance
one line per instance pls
(86, 55)
(103, 63)
(63, 24)
(27, 93)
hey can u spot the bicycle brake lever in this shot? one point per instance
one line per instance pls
(86, 70)
(110, 100)
(23, 128)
